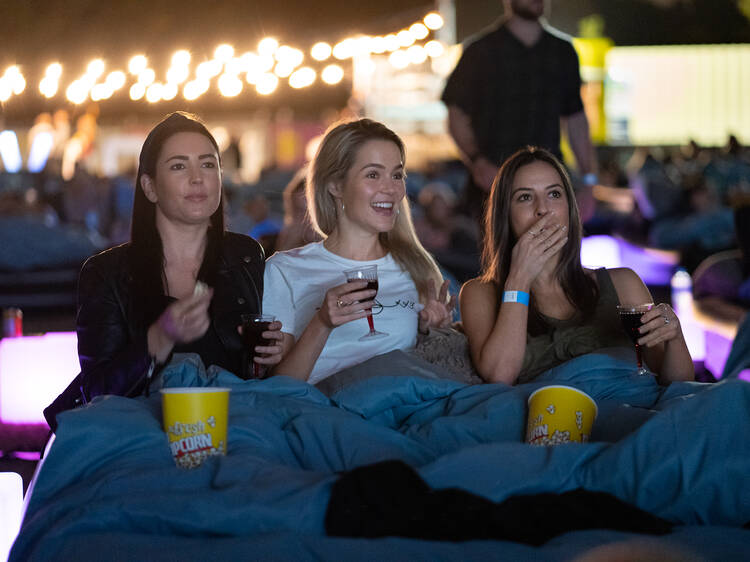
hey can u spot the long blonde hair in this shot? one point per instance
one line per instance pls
(334, 158)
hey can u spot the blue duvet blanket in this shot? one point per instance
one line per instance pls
(108, 488)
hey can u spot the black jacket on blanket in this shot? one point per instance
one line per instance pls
(112, 346)
(389, 498)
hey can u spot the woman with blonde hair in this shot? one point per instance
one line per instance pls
(356, 199)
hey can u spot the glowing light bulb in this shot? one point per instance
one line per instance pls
(289, 56)
(181, 58)
(267, 46)
(208, 69)
(321, 51)
(137, 64)
(177, 74)
(419, 31)
(153, 92)
(234, 66)
(18, 83)
(229, 85)
(95, 68)
(302, 78)
(169, 91)
(417, 54)
(344, 49)
(191, 91)
(434, 48)
(54, 70)
(115, 79)
(378, 45)
(391, 42)
(283, 70)
(77, 91)
(399, 59)
(332, 74)
(147, 76)
(99, 92)
(433, 20)
(224, 52)
(137, 91)
(267, 84)
(405, 38)
(48, 86)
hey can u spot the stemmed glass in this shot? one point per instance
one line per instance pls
(630, 316)
(367, 273)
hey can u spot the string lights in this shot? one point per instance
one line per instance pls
(262, 69)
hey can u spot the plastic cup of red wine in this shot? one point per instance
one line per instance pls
(630, 317)
(367, 273)
(253, 326)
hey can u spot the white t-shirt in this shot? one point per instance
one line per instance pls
(295, 283)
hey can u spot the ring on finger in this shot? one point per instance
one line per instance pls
(339, 303)
(666, 320)
(533, 234)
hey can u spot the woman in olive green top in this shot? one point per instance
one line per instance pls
(535, 306)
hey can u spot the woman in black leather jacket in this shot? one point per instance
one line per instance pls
(180, 285)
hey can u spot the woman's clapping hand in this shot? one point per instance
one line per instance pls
(438, 308)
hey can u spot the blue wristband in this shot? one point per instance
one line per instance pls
(516, 296)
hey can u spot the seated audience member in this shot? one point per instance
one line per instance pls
(356, 198)
(179, 285)
(535, 306)
(450, 237)
(265, 227)
(297, 229)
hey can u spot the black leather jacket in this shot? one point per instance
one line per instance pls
(112, 346)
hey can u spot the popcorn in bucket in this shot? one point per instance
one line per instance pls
(559, 414)
(195, 420)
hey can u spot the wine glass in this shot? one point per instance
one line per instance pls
(253, 326)
(367, 273)
(630, 316)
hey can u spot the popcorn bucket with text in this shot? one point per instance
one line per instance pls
(559, 414)
(195, 420)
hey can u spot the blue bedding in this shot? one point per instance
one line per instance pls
(108, 488)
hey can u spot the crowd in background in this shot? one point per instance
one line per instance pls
(678, 198)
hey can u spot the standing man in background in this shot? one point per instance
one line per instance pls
(516, 85)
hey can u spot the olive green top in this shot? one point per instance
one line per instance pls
(570, 338)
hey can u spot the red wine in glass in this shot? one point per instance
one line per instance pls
(253, 326)
(371, 286)
(630, 317)
(367, 273)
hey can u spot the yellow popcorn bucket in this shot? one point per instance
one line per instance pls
(559, 414)
(195, 420)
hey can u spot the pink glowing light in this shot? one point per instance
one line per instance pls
(11, 504)
(744, 375)
(33, 372)
(718, 347)
(655, 267)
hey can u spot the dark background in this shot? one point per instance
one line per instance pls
(34, 33)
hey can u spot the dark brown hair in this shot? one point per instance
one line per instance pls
(499, 239)
(147, 252)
